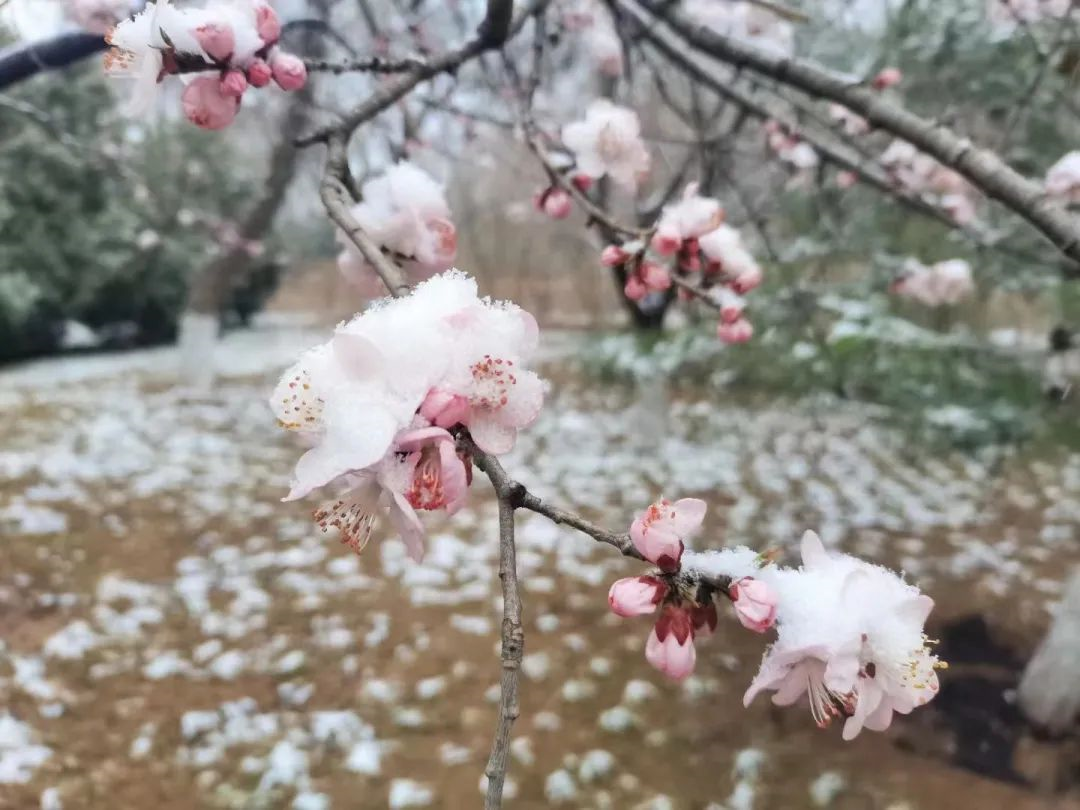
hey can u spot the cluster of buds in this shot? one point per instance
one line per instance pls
(228, 48)
(555, 201)
(687, 610)
(692, 241)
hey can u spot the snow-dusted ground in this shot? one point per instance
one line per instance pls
(174, 636)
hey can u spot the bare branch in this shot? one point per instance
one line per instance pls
(373, 64)
(513, 636)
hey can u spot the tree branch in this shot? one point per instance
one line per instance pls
(982, 168)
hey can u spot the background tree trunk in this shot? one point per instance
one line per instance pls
(1050, 687)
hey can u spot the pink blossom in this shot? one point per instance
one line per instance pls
(613, 255)
(289, 71)
(217, 40)
(439, 477)
(850, 122)
(748, 279)
(755, 604)
(503, 399)
(206, 106)
(659, 532)
(739, 331)
(887, 77)
(259, 74)
(636, 596)
(689, 217)
(234, 83)
(670, 647)
(267, 23)
(608, 142)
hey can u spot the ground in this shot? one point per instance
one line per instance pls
(176, 637)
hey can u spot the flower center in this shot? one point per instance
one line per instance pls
(426, 491)
(825, 704)
(493, 379)
(610, 144)
(304, 408)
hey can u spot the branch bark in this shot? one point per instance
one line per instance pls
(981, 167)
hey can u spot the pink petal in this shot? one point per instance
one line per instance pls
(689, 512)
(813, 551)
(453, 476)
(491, 436)
(408, 525)
(357, 355)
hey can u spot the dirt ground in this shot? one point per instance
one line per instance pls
(175, 637)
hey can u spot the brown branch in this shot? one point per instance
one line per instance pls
(487, 38)
(982, 168)
(373, 64)
(513, 636)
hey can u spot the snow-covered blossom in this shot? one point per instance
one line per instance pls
(944, 283)
(747, 21)
(725, 247)
(405, 212)
(850, 637)
(375, 402)
(737, 331)
(660, 531)
(688, 218)
(636, 596)
(1063, 178)
(216, 41)
(754, 602)
(920, 174)
(608, 142)
(97, 16)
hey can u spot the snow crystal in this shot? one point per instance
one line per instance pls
(826, 788)
(596, 764)
(559, 787)
(365, 757)
(407, 793)
(20, 756)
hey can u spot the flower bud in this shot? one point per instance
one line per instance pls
(582, 182)
(705, 619)
(755, 604)
(206, 106)
(635, 596)
(444, 409)
(217, 40)
(234, 83)
(267, 24)
(655, 276)
(747, 280)
(557, 204)
(666, 241)
(887, 77)
(259, 73)
(613, 255)
(738, 332)
(290, 73)
(670, 647)
(635, 288)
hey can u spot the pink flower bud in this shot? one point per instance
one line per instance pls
(217, 40)
(730, 312)
(557, 203)
(655, 276)
(670, 647)
(582, 182)
(290, 73)
(445, 409)
(755, 604)
(738, 332)
(635, 288)
(747, 280)
(705, 619)
(234, 83)
(666, 242)
(205, 106)
(887, 77)
(267, 24)
(259, 73)
(846, 179)
(445, 244)
(636, 596)
(613, 255)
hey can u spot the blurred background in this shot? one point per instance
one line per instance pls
(171, 635)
